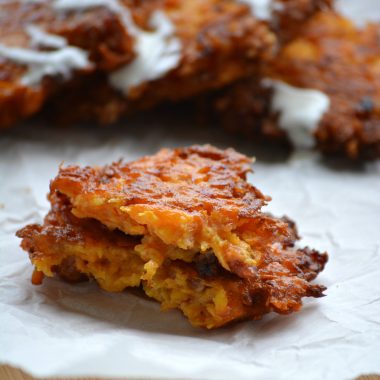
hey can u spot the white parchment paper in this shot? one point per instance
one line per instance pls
(60, 329)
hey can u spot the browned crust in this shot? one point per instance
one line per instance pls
(187, 179)
(98, 31)
(199, 190)
(332, 56)
(221, 42)
(290, 16)
(337, 58)
(281, 280)
(230, 45)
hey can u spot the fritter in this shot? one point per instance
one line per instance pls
(194, 198)
(289, 16)
(336, 61)
(77, 249)
(40, 49)
(186, 226)
(229, 46)
(119, 52)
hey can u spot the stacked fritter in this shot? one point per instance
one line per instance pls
(99, 60)
(185, 226)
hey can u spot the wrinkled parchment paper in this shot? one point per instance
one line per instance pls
(60, 329)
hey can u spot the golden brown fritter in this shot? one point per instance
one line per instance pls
(185, 225)
(221, 42)
(192, 198)
(212, 297)
(228, 43)
(332, 56)
(97, 31)
(81, 249)
(77, 249)
(289, 16)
